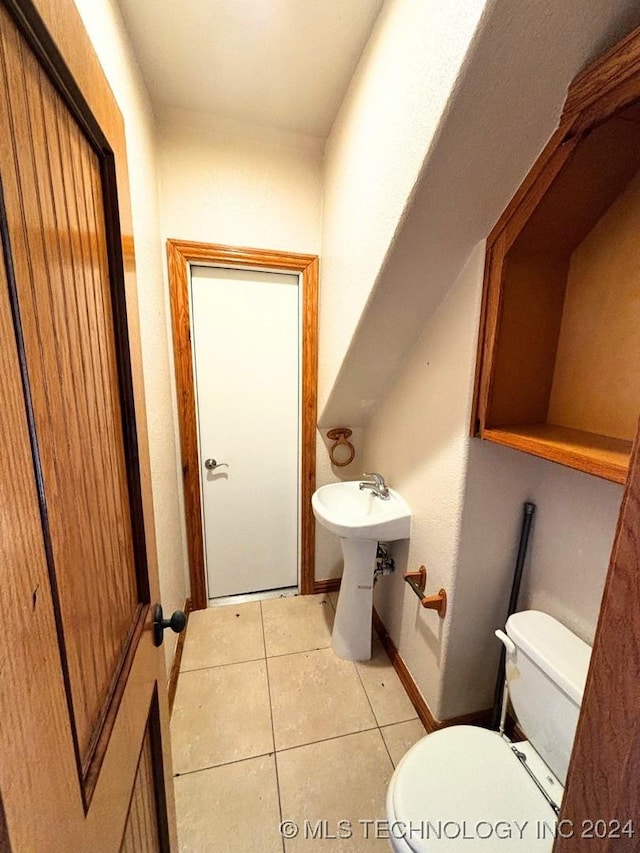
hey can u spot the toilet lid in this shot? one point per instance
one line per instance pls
(462, 789)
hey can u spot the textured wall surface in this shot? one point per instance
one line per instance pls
(419, 440)
(413, 185)
(221, 182)
(466, 497)
(596, 383)
(569, 552)
(457, 159)
(434, 136)
(374, 154)
(106, 30)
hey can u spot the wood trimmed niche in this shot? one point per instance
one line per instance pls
(558, 371)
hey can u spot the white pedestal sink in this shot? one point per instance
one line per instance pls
(361, 519)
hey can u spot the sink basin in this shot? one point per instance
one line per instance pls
(351, 513)
(361, 520)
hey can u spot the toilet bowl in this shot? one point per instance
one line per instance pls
(465, 788)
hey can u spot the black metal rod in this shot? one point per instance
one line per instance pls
(528, 511)
(414, 586)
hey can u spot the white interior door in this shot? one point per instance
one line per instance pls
(246, 363)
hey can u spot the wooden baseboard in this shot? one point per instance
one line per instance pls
(327, 585)
(478, 718)
(177, 658)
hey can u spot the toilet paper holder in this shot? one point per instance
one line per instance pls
(418, 583)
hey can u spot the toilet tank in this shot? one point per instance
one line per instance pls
(546, 675)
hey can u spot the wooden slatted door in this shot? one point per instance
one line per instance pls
(81, 683)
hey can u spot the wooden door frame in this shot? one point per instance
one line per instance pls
(603, 783)
(181, 254)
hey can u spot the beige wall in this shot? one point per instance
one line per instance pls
(106, 30)
(418, 439)
(466, 497)
(447, 111)
(596, 384)
(374, 154)
(242, 185)
(402, 214)
(221, 182)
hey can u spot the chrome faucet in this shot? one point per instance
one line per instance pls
(378, 487)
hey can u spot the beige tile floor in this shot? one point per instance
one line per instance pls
(269, 725)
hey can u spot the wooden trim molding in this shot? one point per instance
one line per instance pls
(326, 585)
(607, 89)
(181, 254)
(177, 658)
(609, 83)
(612, 82)
(478, 718)
(5, 844)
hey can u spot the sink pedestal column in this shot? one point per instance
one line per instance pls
(351, 638)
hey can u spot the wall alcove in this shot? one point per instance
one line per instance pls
(558, 370)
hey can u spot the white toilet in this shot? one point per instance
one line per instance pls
(465, 788)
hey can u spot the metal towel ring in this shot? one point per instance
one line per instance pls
(340, 436)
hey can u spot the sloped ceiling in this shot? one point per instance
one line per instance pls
(504, 107)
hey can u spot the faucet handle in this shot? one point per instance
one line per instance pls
(377, 477)
(379, 486)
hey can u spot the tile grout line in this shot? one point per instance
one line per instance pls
(401, 722)
(211, 610)
(333, 737)
(286, 749)
(220, 665)
(393, 764)
(275, 752)
(375, 717)
(264, 644)
(222, 764)
(326, 739)
(302, 652)
(273, 732)
(263, 657)
(347, 734)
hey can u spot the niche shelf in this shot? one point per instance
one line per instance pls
(558, 372)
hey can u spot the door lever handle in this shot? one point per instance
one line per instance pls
(211, 464)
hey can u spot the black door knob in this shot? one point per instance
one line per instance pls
(177, 622)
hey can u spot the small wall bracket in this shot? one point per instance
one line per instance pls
(418, 583)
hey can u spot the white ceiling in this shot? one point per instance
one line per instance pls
(277, 63)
